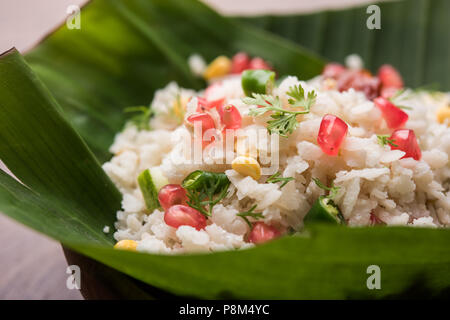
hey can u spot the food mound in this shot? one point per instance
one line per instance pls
(254, 157)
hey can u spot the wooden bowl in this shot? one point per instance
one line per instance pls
(100, 282)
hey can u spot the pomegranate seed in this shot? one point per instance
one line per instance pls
(181, 215)
(406, 141)
(394, 117)
(360, 80)
(204, 105)
(207, 123)
(259, 63)
(390, 77)
(331, 134)
(333, 70)
(205, 119)
(172, 194)
(216, 103)
(262, 232)
(240, 62)
(230, 117)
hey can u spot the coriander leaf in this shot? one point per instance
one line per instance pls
(431, 89)
(333, 190)
(283, 121)
(384, 140)
(142, 119)
(267, 103)
(404, 107)
(205, 189)
(276, 178)
(298, 97)
(282, 124)
(250, 213)
(397, 94)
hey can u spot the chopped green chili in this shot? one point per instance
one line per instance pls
(205, 189)
(148, 190)
(324, 209)
(257, 81)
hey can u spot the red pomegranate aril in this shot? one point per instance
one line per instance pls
(262, 232)
(206, 120)
(202, 104)
(216, 103)
(172, 194)
(205, 105)
(332, 133)
(240, 62)
(406, 141)
(230, 117)
(394, 116)
(390, 77)
(333, 70)
(259, 63)
(181, 215)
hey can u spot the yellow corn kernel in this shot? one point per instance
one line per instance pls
(247, 166)
(130, 245)
(220, 67)
(443, 113)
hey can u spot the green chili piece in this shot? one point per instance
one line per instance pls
(257, 81)
(205, 189)
(198, 179)
(324, 210)
(194, 179)
(148, 190)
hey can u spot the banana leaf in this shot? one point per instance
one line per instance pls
(65, 98)
(414, 37)
(125, 50)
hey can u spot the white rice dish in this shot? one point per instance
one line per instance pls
(373, 179)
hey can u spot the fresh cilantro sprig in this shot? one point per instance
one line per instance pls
(142, 118)
(333, 190)
(250, 213)
(297, 93)
(384, 140)
(432, 89)
(283, 121)
(396, 96)
(209, 191)
(277, 178)
(404, 107)
(205, 200)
